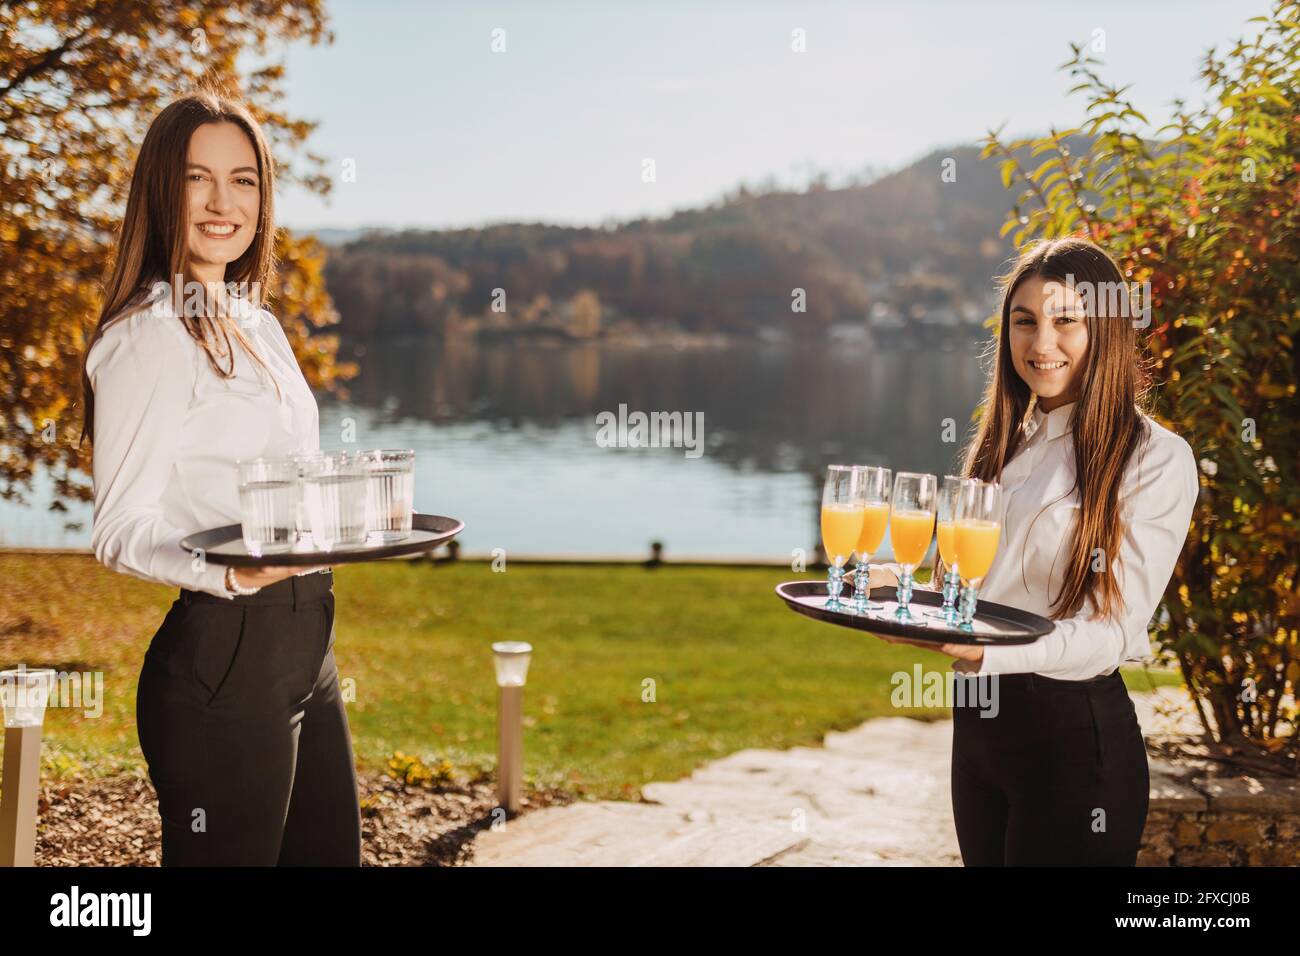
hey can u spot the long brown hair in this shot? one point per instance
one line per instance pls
(152, 243)
(1107, 424)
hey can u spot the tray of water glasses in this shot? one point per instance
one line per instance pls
(992, 623)
(225, 545)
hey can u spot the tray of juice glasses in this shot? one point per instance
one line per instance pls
(225, 545)
(991, 623)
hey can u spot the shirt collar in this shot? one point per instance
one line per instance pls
(242, 309)
(1057, 420)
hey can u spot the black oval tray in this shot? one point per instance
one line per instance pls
(994, 623)
(225, 545)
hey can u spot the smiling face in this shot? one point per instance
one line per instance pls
(223, 198)
(1049, 339)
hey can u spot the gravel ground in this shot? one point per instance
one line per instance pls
(113, 821)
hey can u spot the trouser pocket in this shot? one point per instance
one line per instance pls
(1098, 733)
(216, 633)
(1114, 721)
(327, 641)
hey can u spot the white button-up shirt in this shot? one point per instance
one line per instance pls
(1156, 498)
(168, 431)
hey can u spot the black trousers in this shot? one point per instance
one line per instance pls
(1058, 777)
(245, 732)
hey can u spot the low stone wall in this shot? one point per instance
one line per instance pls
(1204, 814)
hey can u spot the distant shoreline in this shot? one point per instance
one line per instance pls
(949, 337)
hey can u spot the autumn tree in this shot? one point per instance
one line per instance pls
(79, 84)
(1205, 211)
(394, 293)
(584, 321)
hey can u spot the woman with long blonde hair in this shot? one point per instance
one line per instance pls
(1097, 502)
(238, 706)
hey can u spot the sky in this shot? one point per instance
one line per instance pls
(558, 122)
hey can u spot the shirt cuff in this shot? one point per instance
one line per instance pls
(1012, 658)
(212, 580)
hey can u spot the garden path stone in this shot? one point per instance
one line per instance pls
(875, 795)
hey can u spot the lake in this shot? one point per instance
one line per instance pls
(507, 439)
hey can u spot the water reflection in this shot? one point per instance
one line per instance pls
(765, 403)
(774, 417)
(505, 436)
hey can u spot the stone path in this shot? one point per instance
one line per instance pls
(877, 795)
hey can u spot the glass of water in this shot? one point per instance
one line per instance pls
(390, 493)
(302, 521)
(268, 494)
(334, 497)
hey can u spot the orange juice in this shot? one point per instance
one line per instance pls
(841, 525)
(977, 543)
(946, 549)
(911, 532)
(875, 520)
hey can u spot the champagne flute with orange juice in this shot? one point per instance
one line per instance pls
(976, 534)
(841, 525)
(877, 485)
(911, 529)
(949, 495)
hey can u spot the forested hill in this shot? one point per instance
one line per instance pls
(907, 248)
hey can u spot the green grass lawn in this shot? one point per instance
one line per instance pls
(731, 667)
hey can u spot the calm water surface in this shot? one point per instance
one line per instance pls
(506, 439)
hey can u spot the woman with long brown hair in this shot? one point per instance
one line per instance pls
(1097, 501)
(238, 707)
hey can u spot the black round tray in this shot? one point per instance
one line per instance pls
(994, 623)
(225, 545)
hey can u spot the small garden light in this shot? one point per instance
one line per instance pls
(24, 695)
(511, 661)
